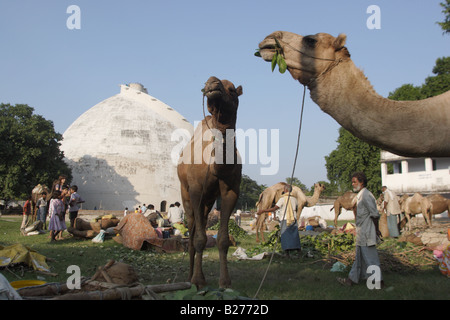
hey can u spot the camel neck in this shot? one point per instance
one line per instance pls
(346, 95)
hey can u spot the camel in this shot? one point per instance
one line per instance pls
(322, 63)
(345, 201)
(439, 204)
(417, 204)
(206, 172)
(271, 195)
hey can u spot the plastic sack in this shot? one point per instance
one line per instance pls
(100, 237)
(338, 267)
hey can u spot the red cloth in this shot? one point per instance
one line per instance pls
(27, 208)
(135, 229)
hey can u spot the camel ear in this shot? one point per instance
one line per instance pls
(339, 42)
(239, 91)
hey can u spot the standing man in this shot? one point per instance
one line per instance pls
(290, 240)
(75, 199)
(367, 233)
(237, 217)
(393, 210)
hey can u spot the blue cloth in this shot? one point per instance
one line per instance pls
(392, 226)
(289, 236)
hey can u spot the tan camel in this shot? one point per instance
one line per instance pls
(411, 206)
(322, 63)
(210, 167)
(439, 204)
(270, 197)
(345, 201)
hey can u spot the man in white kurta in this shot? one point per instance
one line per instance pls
(393, 210)
(287, 206)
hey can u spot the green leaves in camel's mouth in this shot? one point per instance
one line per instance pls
(277, 57)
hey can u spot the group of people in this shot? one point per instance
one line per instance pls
(367, 231)
(175, 215)
(64, 199)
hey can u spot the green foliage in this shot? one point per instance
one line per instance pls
(272, 242)
(445, 25)
(277, 59)
(29, 151)
(351, 155)
(233, 229)
(327, 243)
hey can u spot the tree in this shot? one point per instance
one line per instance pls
(446, 10)
(29, 152)
(296, 182)
(433, 86)
(351, 155)
(249, 193)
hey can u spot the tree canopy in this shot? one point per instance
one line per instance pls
(249, 193)
(29, 152)
(351, 155)
(433, 86)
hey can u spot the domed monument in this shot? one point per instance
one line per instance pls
(122, 154)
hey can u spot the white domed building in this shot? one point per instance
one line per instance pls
(122, 154)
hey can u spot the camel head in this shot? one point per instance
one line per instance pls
(222, 98)
(319, 187)
(307, 57)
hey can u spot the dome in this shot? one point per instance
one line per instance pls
(121, 151)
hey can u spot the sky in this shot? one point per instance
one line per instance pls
(173, 47)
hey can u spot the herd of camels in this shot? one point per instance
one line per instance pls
(322, 63)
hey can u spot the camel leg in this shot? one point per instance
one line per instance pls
(189, 214)
(229, 199)
(408, 219)
(263, 228)
(337, 212)
(198, 246)
(259, 227)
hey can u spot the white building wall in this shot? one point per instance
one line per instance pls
(424, 175)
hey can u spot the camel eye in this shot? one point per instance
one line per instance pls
(310, 41)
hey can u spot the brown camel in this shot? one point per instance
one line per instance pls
(271, 195)
(345, 201)
(322, 63)
(411, 206)
(210, 167)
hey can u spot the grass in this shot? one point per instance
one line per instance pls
(286, 279)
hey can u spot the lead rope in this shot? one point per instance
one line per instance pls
(292, 177)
